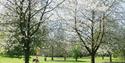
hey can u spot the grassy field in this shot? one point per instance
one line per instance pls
(56, 60)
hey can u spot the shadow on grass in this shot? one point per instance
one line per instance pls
(10, 56)
(67, 61)
(113, 62)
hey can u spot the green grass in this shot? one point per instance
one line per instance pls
(4, 59)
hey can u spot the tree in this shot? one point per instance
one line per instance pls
(25, 12)
(57, 37)
(111, 37)
(76, 52)
(14, 47)
(120, 42)
(90, 21)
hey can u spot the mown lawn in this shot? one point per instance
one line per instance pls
(4, 59)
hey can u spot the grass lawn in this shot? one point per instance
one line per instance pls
(56, 60)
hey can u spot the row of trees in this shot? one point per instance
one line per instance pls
(26, 17)
(93, 24)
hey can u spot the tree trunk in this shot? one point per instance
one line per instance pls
(26, 49)
(110, 55)
(102, 57)
(27, 57)
(93, 58)
(76, 59)
(64, 58)
(27, 53)
(52, 53)
(45, 58)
